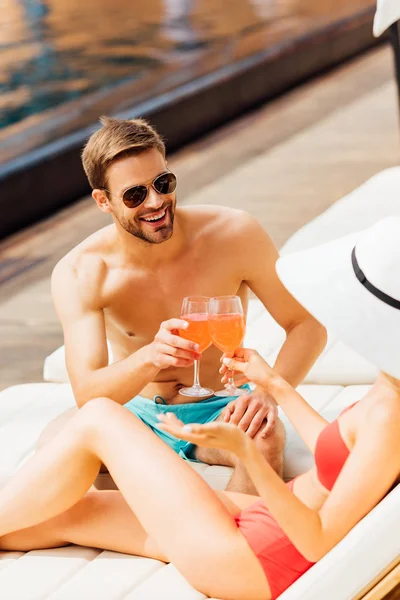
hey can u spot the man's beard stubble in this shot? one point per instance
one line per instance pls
(135, 228)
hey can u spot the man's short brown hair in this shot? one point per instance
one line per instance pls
(117, 139)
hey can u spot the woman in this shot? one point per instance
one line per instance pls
(231, 545)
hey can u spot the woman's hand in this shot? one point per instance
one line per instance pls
(247, 365)
(211, 435)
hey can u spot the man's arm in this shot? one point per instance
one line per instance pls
(305, 337)
(76, 298)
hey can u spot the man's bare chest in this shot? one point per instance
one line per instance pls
(137, 304)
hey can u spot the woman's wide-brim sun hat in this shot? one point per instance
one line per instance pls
(352, 287)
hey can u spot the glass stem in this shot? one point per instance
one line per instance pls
(196, 373)
(231, 382)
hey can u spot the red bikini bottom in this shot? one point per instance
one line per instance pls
(281, 562)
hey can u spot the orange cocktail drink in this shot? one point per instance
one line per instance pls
(195, 312)
(227, 330)
(198, 330)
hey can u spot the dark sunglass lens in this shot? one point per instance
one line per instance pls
(135, 196)
(165, 184)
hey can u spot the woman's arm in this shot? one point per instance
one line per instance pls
(368, 474)
(307, 421)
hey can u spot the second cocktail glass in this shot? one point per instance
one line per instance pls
(227, 328)
(195, 312)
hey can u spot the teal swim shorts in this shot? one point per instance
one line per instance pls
(203, 411)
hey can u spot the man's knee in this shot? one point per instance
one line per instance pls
(216, 456)
(272, 446)
(53, 428)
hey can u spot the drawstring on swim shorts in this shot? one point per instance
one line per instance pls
(159, 398)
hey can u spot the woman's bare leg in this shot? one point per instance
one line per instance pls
(102, 519)
(187, 521)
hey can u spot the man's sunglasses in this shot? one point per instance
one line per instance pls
(137, 194)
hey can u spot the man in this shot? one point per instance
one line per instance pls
(124, 280)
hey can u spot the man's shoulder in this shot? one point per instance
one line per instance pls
(215, 217)
(84, 266)
(79, 264)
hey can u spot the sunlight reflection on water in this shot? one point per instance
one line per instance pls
(57, 50)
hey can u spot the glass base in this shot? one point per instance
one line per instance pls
(196, 391)
(231, 391)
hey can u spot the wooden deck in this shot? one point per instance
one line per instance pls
(297, 155)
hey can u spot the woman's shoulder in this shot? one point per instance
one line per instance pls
(382, 418)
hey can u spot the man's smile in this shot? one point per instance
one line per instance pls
(155, 217)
